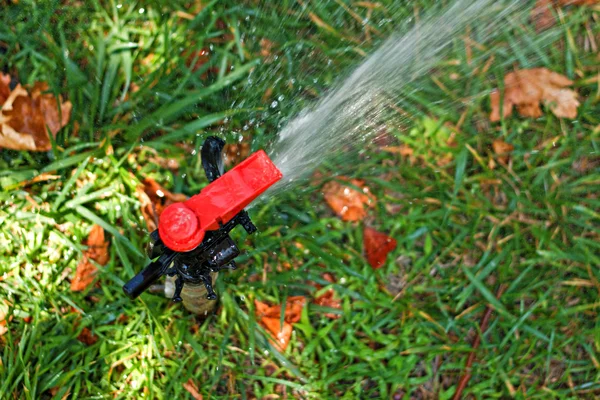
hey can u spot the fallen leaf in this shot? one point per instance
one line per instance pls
(196, 59)
(4, 87)
(346, 201)
(266, 49)
(293, 309)
(267, 95)
(5, 318)
(578, 2)
(97, 251)
(281, 334)
(527, 88)
(227, 35)
(45, 176)
(192, 389)
(585, 164)
(270, 318)
(167, 163)
(26, 117)
(236, 153)
(403, 150)
(502, 150)
(377, 246)
(87, 337)
(154, 199)
(542, 15)
(328, 299)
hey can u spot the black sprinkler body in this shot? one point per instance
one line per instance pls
(192, 240)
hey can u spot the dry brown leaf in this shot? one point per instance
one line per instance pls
(293, 309)
(585, 164)
(236, 153)
(87, 337)
(154, 199)
(502, 150)
(5, 318)
(346, 201)
(578, 2)
(527, 88)
(192, 389)
(377, 246)
(270, 318)
(328, 299)
(201, 57)
(97, 251)
(542, 14)
(403, 150)
(25, 118)
(167, 163)
(4, 87)
(266, 49)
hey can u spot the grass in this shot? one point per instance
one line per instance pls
(466, 232)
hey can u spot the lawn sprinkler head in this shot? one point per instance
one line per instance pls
(192, 239)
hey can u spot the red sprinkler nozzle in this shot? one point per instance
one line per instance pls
(182, 226)
(192, 239)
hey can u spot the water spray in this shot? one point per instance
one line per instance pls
(192, 242)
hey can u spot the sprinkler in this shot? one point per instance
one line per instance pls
(192, 240)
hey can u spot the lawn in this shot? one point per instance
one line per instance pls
(491, 292)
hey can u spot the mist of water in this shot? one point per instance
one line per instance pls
(351, 111)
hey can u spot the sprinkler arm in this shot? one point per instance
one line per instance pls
(192, 239)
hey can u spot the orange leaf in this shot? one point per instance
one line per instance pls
(346, 201)
(403, 150)
(502, 149)
(87, 337)
(542, 15)
(293, 309)
(191, 387)
(25, 118)
(201, 56)
(377, 246)
(97, 251)
(280, 334)
(4, 87)
(328, 299)
(266, 49)
(527, 88)
(270, 316)
(5, 318)
(155, 199)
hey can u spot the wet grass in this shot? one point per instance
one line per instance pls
(518, 241)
